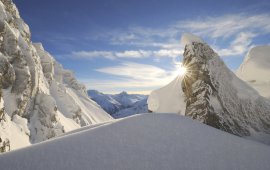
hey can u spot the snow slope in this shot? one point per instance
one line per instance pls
(39, 99)
(107, 102)
(120, 105)
(148, 141)
(168, 99)
(255, 69)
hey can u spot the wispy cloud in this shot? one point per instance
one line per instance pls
(133, 76)
(240, 45)
(227, 25)
(239, 29)
(127, 54)
(92, 54)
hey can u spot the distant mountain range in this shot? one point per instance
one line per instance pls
(120, 105)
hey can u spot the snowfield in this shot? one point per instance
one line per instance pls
(148, 141)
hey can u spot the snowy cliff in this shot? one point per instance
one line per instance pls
(38, 98)
(213, 94)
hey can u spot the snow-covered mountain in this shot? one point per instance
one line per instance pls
(137, 108)
(213, 94)
(120, 105)
(255, 69)
(147, 141)
(38, 98)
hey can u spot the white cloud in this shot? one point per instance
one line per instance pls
(227, 25)
(173, 53)
(133, 54)
(239, 27)
(93, 54)
(239, 46)
(133, 76)
(136, 71)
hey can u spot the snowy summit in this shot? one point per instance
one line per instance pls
(188, 38)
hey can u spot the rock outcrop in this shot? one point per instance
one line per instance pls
(38, 98)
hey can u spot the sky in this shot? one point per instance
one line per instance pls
(134, 45)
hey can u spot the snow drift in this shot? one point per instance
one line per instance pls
(168, 99)
(157, 141)
(38, 98)
(255, 69)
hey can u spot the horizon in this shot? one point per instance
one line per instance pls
(133, 46)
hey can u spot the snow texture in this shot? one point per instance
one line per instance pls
(157, 141)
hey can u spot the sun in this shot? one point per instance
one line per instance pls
(182, 70)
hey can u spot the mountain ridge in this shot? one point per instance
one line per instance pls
(120, 105)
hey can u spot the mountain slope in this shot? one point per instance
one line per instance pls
(137, 108)
(255, 69)
(107, 102)
(157, 141)
(215, 96)
(39, 99)
(120, 105)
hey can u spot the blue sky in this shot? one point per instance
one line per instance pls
(134, 45)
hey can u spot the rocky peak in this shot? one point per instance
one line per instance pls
(215, 96)
(197, 85)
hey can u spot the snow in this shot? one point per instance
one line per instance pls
(137, 108)
(255, 69)
(188, 38)
(3, 14)
(168, 99)
(148, 141)
(10, 101)
(128, 99)
(14, 131)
